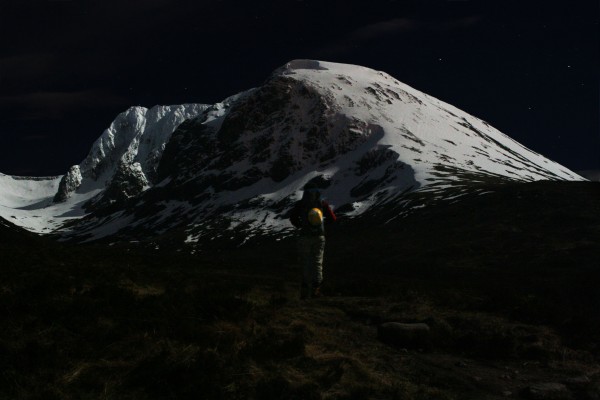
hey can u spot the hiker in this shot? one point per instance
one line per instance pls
(309, 215)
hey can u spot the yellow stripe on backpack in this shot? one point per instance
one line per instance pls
(315, 217)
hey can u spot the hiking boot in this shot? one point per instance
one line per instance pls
(316, 292)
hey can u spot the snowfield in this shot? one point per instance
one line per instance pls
(364, 137)
(135, 140)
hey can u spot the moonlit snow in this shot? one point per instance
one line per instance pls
(395, 139)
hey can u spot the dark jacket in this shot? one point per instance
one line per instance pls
(299, 215)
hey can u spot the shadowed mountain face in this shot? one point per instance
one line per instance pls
(199, 172)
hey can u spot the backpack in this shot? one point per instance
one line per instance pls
(311, 199)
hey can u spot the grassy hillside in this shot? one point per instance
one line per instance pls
(507, 281)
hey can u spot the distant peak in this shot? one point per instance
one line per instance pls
(304, 64)
(315, 70)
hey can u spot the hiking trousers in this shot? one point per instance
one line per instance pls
(310, 250)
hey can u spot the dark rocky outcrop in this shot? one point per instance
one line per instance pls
(68, 184)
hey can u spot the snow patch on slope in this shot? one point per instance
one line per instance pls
(27, 202)
(21, 192)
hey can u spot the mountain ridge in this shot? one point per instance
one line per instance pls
(365, 137)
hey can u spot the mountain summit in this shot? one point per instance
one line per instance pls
(362, 136)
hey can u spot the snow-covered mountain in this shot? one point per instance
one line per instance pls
(128, 152)
(204, 171)
(125, 156)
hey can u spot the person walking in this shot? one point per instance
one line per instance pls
(309, 215)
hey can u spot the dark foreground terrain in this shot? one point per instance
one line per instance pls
(507, 283)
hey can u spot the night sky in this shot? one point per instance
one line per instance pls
(68, 67)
